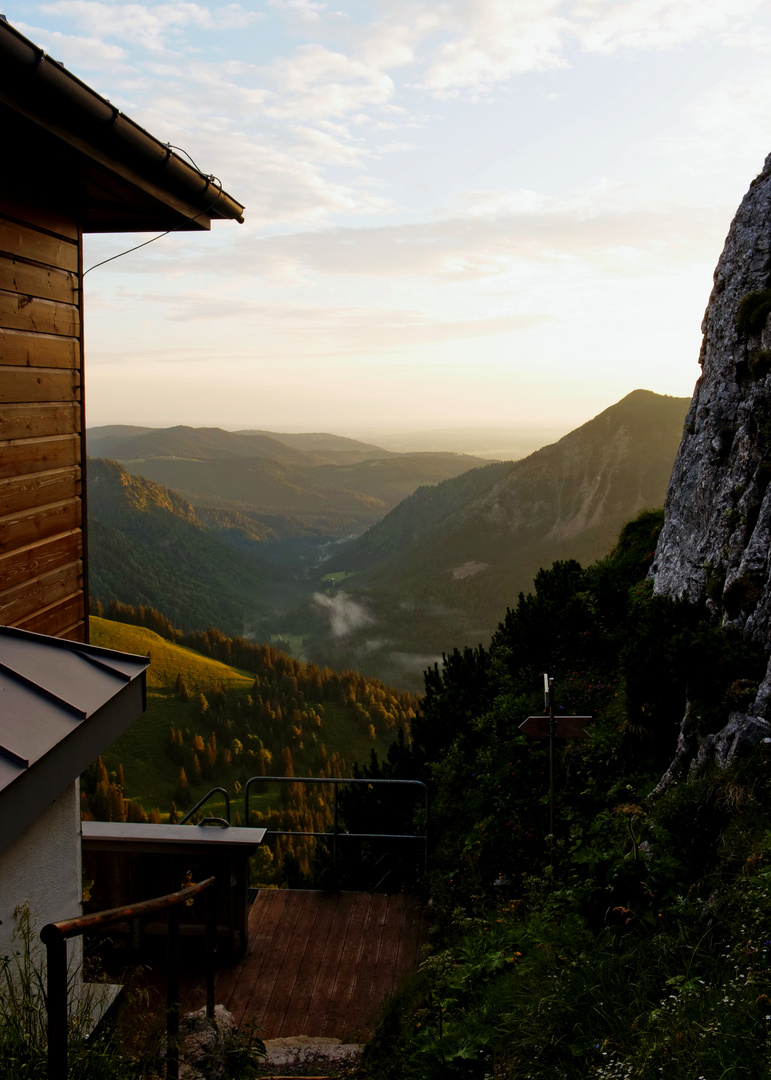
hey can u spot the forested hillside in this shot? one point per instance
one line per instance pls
(148, 546)
(633, 942)
(221, 710)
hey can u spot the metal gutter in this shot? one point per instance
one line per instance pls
(44, 89)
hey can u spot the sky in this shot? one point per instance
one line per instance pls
(488, 214)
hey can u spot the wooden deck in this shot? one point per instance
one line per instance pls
(320, 964)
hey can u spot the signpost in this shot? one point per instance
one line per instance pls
(553, 727)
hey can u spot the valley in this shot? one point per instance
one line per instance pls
(346, 554)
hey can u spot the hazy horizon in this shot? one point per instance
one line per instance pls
(497, 443)
(501, 443)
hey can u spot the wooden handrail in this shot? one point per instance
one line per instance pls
(54, 936)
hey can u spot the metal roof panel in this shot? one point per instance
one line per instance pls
(67, 675)
(29, 724)
(62, 704)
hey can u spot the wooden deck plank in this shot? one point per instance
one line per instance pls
(340, 999)
(383, 983)
(229, 978)
(364, 1002)
(287, 982)
(298, 1018)
(269, 971)
(260, 944)
(320, 964)
(410, 940)
(326, 973)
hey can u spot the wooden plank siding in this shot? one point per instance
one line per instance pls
(42, 580)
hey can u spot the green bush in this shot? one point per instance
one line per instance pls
(753, 311)
(760, 363)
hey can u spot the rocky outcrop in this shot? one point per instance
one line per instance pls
(716, 539)
(207, 1045)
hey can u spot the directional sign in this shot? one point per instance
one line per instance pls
(565, 727)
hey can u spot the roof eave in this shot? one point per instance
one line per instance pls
(51, 97)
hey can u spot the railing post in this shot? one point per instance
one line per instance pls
(247, 788)
(334, 838)
(56, 949)
(172, 997)
(211, 939)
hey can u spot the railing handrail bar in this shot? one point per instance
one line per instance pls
(205, 799)
(54, 936)
(337, 781)
(67, 928)
(349, 835)
(325, 780)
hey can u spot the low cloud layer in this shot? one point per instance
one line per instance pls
(345, 615)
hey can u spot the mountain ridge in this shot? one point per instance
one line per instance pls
(311, 475)
(457, 554)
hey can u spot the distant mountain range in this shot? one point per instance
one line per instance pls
(243, 541)
(291, 484)
(441, 568)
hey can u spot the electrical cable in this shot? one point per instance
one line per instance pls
(171, 146)
(187, 221)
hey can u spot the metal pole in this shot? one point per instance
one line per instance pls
(425, 837)
(548, 691)
(334, 838)
(172, 997)
(56, 948)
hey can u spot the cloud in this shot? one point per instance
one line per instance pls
(151, 26)
(606, 26)
(491, 40)
(345, 615)
(323, 330)
(86, 53)
(724, 145)
(316, 82)
(483, 245)
(488, 42)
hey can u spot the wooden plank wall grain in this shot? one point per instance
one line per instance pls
(41, 420)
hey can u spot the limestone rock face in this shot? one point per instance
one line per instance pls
(715, 543)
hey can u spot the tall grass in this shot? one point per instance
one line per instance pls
(23, 1018)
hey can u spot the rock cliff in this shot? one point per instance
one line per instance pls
(715, 543)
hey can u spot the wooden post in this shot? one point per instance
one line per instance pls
(56, 950)
(211, 939)
(172, 997)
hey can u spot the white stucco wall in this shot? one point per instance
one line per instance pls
(42, 868)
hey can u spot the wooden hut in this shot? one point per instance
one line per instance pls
(74, 164)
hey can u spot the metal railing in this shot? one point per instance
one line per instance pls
(336, 832)
(205, 799)
(54, 936)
